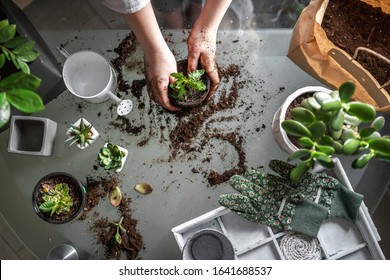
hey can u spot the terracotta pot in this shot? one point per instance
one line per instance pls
(78, 190)
(200, 96)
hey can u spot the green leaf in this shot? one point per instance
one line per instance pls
(299, 154)
(15, 42)
(321, 96)
(306, 142)
(23, 66)
(26, 46)
(362, 161)
(322, 157)
(381, 145)
(382, 155)
(348, 134)
(335, 94)
(303, 115)
(325, 140)
(337, 120)
(317, 129)
(7, 33)
(2, 60)
(364, 112)
(25, 100)
(378, 123)
(295, 128)
(313, 103)
(326, 162)
(338, 147)
(366, 131)
(20, 80)
(350, 146)
(351, 120)
(299, 171)
(325, 149)
(346, 91)
(330, 105)
(305, 104)
(28, 55)
(4, 23)
(5, 109)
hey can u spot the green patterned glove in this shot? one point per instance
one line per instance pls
(322, 189)
(276, 205)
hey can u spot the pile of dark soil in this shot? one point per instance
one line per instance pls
(350, 24)
(132, 241)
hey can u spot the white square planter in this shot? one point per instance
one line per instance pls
(32, 135)
(123, 159)
(339, 239)
(95, 133)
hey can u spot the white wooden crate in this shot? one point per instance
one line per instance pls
(339, 239)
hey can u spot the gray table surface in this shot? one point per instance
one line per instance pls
(179, 194)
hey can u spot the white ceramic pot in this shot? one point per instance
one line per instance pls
(279, 133)
(95, 133)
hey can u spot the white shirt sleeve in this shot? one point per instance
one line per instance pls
(126, 6)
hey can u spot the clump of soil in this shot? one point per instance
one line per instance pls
(350, 24)
(132, 241)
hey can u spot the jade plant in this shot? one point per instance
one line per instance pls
(17, 84)
(331, 124)
(110, 157)
(185, 84)
(56, 199)
(80, 134)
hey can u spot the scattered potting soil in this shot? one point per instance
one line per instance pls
(132, 240)
(350, 24)
(186, 130)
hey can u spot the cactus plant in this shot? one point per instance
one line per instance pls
(331, 124)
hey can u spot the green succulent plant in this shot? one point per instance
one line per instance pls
(185, 84)
(17, 85)
(331, 124)
(56, 199)
(119, 228)
(110, 157)
(80, 134)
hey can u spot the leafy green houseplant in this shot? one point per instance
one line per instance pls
(189, 89)
(330, 124)
(82, 133)
(58, 198)
(112, 157)
(17, 84)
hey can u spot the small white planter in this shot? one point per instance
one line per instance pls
(123, 159)
(279, 133)
(95, 133)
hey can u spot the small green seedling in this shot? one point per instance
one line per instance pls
(119, 228)
(185, 85)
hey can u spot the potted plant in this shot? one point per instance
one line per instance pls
(17, 85)
(327, 124)
(82, 133)
(189, 89)
(58, 198)
(112, 157)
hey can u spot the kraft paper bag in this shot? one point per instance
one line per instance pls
(314, 53)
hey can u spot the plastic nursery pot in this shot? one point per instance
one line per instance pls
(280, 135)
(76, 191)
(197, 97)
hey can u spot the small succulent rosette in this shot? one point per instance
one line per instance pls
(82, 133)
(112, 157)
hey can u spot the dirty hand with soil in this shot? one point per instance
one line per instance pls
(158, 58)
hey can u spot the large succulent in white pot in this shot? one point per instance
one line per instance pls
(330, 124)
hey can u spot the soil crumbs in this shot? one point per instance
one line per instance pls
(183, 135)
(132, 241)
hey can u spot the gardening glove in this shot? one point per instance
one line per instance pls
(274, 205)
(322, 189)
